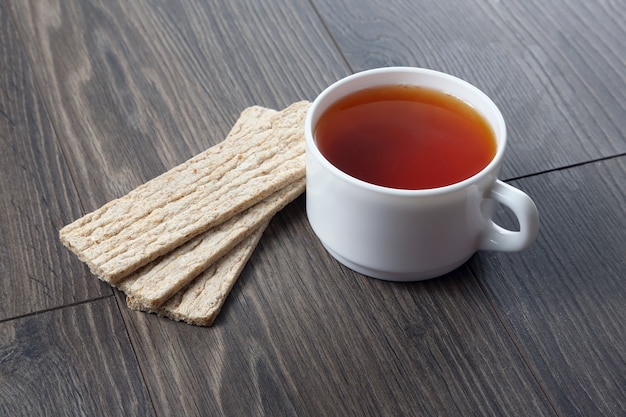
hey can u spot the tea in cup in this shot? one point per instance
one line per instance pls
(402, 166)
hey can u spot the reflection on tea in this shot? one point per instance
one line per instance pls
(405, 137)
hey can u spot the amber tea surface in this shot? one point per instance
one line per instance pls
(405, 137)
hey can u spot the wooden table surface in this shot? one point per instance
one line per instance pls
(97, 97)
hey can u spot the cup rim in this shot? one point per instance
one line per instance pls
(486, 171)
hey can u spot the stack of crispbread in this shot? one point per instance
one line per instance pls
(176, 244)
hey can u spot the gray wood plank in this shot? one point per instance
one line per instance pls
(75, 361)
(301, 335)
(556, 69)
(38, 195)
(135, 88)
(564, 298)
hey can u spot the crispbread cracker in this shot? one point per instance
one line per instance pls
(261, 155)
(201, 301)
(156, 282)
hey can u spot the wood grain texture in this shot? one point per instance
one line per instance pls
(564, 297)
(136, 88)
(531, 57)
(301, 335)
(75, 361)
(38, 195)
(122, 91)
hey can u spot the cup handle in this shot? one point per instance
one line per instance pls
(496, 237)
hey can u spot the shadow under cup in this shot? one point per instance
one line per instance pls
(407, 235)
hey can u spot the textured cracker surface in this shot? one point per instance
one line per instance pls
(201, 301)
(263, 153)
(156, 282)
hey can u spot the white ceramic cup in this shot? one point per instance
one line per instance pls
(410, 235)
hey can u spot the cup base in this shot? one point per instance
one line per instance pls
(394, 275)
